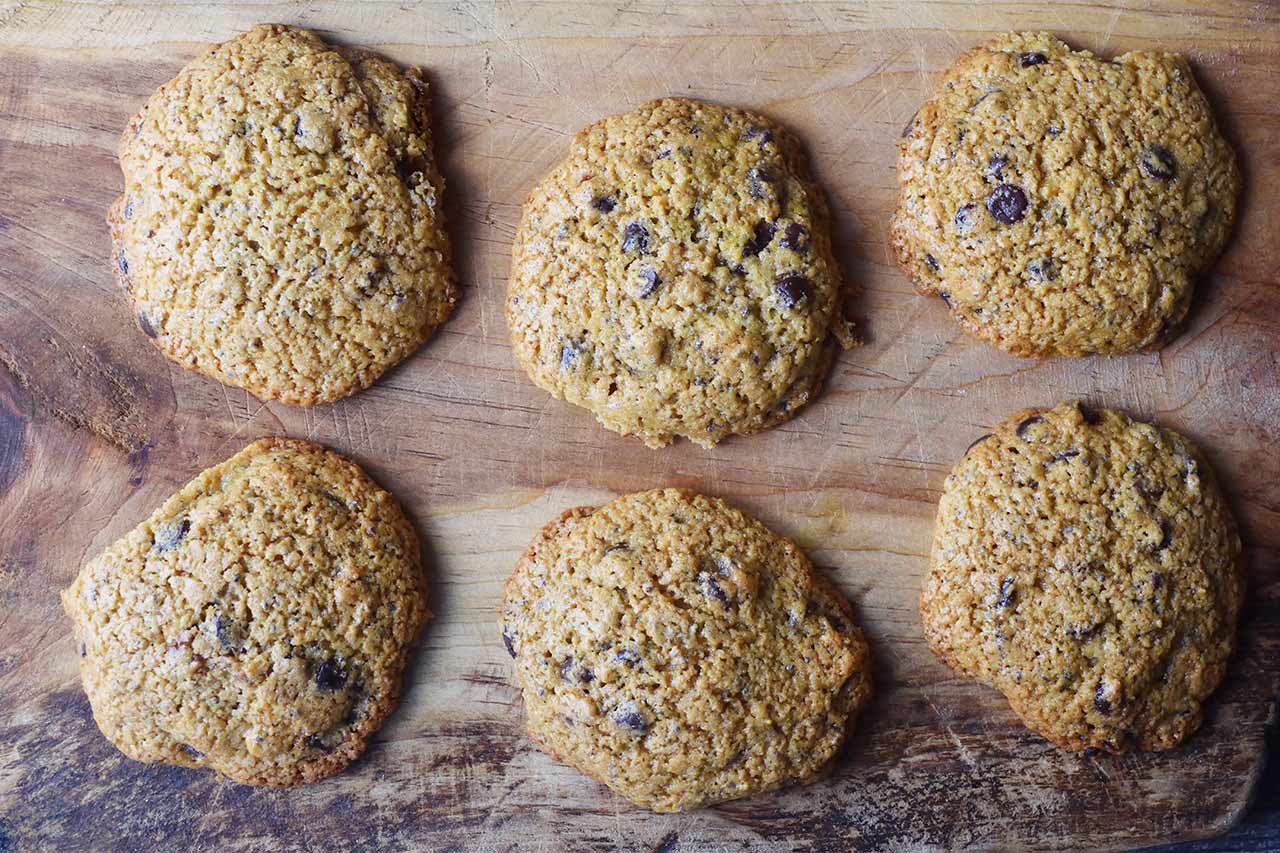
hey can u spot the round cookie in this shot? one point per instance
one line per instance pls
(1087, 567)
(256, 624)
(680, 652)
(1061, 203)
(674, 275)
(281, 228)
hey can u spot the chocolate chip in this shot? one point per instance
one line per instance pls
(794, 237)
(316, 742)
(664, 153)
(123, 262)
(228, 632)
(945, 297)
(168, 535)
(1158, 162)
(762, 135)
(966, 218)
(792, 289)
(1043, 269)
(1066, 455)
(605, 203)
(757, 177)
(191, 751)
(1008, 592)
(995, 166)
(976, 442)
(1100, 700)
(330, 675)
(651, 282)
(933, 263)
(761, 240)
(1032, 58)
(569, 671)
(508, 642)
(128, 209)
(628, 716)
(711, 588)
(1007, 203)
(1027, 424)
(1088, 415)
(83, 651)
(635, 238)
(145, 325)
(628, 656)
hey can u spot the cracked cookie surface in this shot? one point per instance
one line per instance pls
(281, 228)
(680, 652)
(674, 275)
(258, 623)
(1061, 203)
(1086, 566)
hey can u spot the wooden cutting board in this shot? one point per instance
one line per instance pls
(96, 429)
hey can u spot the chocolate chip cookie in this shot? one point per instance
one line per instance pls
(1086, 566)
(281, 227)
(674, 275)
(257, 624)
(1061, 203)
(680, 652)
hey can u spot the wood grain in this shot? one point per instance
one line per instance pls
(96, 429)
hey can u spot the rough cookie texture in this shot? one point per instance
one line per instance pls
(1060, 203)
(680, 652)
(258, 623)
(281, 228)
(1086, 566)
(674, 275)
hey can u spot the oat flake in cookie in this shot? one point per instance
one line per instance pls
(258, 623)
(1061, 203)
(1086, 566)
(281, 227)
(680, 652)
(674, 275)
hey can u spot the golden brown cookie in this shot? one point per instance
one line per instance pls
(674, 275)
(258, 623)
(1061, 203)
(1086, 566)
(681, 652)
(281, 228)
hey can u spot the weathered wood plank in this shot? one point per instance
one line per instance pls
(96, 429)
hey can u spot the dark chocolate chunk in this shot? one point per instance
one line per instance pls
(628, 656)
(169, 534)
(1027, 424)
(1007, 203)
(761, 135)
(574, 674)
(191, 751)
(711, 588)
(966, 218)
(508, 642)
(123, 262)
(933, 263)
(651, 282)
(995, 166)
(795, 238)
(757, 177)
(1032, 58)
(1008, 592)
(792, 289)
(1158, 162)
(1043, 269)
(606, 203)
(331, 675)
(1100, 700)
(628, 716)
(128, 209)
(1066, 455)
(635, 238)
(760, 240)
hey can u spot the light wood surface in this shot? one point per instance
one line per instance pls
(96, 429)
